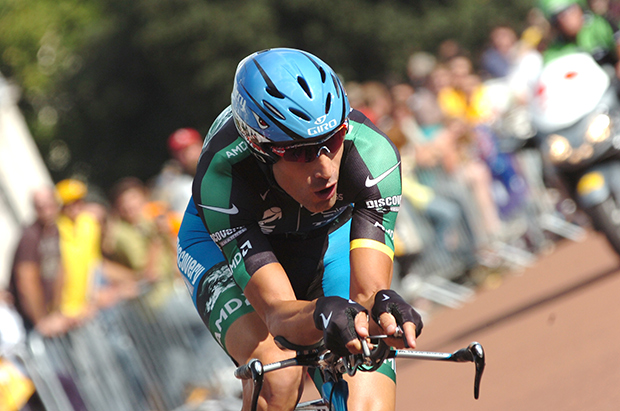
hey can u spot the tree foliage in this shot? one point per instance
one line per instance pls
(106, 81)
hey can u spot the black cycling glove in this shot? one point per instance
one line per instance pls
(388, 301)
(335, 316)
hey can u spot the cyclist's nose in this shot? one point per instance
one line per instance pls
(324, 165)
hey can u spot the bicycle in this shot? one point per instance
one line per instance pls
(334, 391)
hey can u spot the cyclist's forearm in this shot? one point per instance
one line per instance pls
(293, 320)
(371, 271)
(272, 296)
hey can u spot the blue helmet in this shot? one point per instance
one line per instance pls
(285, 95)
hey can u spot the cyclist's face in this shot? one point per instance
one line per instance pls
(313, 184)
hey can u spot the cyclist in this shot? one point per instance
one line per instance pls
(578, 29)
(290, 227)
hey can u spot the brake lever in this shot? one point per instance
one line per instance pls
(365, 347)
(473, 353)
(399, 333)
(477, 353)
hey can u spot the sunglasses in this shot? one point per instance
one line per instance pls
(306, 153)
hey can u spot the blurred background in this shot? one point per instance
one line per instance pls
(103, 107)
(113, 79)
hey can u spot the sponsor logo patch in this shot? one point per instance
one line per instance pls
(385, 205)
(225, 236)
(388, 232)
(232, 210)
(238, 149)
(189, 267)
(370, 182)
(268, 223)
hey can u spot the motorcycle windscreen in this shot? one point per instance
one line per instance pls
(569, 88)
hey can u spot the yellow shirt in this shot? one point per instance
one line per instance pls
(418, 194)
(80, 249)
(454, 103)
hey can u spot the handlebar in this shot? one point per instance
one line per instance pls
(472, 353)
(249, 370)
(317, 355)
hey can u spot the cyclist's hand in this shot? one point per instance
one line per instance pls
(390, 311)
(342, 322)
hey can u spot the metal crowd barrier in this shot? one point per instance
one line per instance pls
(134, 356)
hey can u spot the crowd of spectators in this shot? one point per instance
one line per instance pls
(86, 252)
(444, 120)
(451, 119)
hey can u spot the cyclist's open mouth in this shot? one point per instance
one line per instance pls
(326, 193)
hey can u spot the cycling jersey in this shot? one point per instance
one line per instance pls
(240, 220)
(250, 218)
(597, 37)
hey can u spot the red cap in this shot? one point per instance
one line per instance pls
(182, 138)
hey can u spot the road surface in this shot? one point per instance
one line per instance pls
(551, 335)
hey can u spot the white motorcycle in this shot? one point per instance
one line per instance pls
(576, 112)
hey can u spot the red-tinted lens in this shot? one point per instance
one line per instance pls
(306, 154)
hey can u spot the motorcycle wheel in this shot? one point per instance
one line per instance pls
(606, 218)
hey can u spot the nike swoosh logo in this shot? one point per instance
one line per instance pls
(232, 210)
(386, 297)
(326, 320)
(374, 181)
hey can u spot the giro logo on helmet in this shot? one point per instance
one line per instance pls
(321, 119)
(323, 128)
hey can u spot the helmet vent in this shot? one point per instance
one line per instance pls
(274, 110)
(323, 74)
(300, 114)
(336, 85)
(273, 92)
(328, 103)
(271, 89)
(304, 85)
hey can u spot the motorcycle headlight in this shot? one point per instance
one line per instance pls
(599, 129)
(559, 148)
